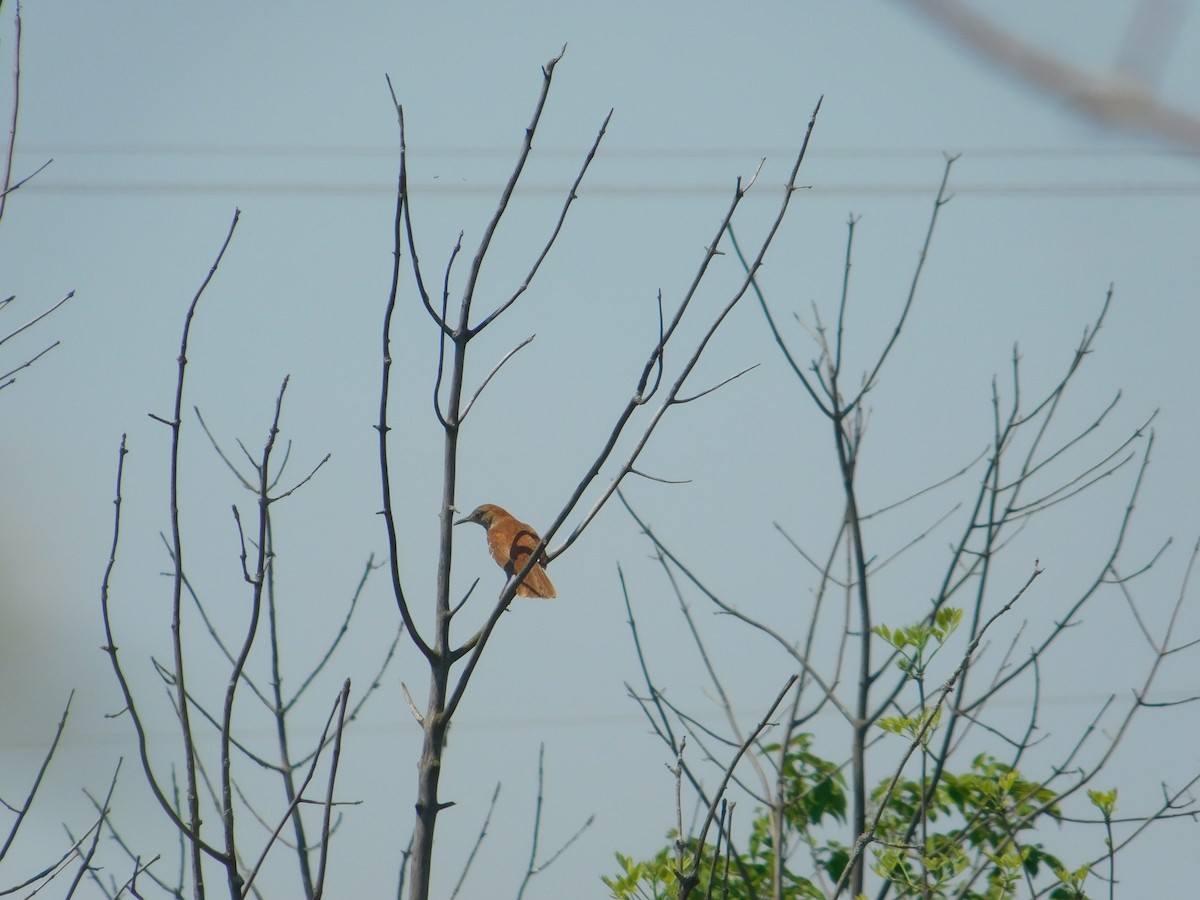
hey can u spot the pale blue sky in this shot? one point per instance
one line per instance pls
(162, 119)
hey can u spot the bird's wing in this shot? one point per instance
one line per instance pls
(511, 542)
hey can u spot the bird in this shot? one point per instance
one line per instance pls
(511, 542)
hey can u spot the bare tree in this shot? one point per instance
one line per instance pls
(881, 678)
(80, 848)
(658, 387)
(213, 784)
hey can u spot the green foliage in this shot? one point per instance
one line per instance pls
(814, 793)
(966, 834)
(972, 817)
(1071, 883)
(653, 879)
(748, 875)
(913, 727)
(1105, 801)
(913, 641)
(814, 788)
(975, 844)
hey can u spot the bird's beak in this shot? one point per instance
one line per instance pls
(463, 519)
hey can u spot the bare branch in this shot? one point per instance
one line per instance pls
(719, 793)
(505, 195)
(5, 185)
(343, 702)
(25, 365)
(659, 479)
(385, 385)
(483, 830)
(622, 420)
(466, 407)
(403, 226)
(130, 707)
(25, 806)
(252, 872)
(572, 195)
(85, 858)
(718, 386)
(811, 670)
(941, 200)
(31, 323)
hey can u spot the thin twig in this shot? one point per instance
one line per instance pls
(720, 791)
(252, 872)
(466, 407)
(35, 320)
(483, 830)
(25, 806)
(326, 831)
(85, 858)
(654, 358)
(16, 108)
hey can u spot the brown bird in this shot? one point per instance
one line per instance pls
(511, 543)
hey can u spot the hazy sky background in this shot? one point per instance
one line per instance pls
(161, 119)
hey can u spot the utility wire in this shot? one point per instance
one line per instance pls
(1044, 190)
(616, 152)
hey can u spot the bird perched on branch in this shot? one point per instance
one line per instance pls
(511, 543)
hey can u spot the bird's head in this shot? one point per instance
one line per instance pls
(483, 515)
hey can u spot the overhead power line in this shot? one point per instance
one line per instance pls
(612, 151)
(632, 190)
(1074, 185)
